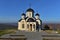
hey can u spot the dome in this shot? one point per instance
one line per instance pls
(37, 14)
(31, 10)
(23, 14)
(30, 20)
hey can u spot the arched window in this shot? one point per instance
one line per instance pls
(22, 21)
(22, 25)
(30, 14)
(27, 25)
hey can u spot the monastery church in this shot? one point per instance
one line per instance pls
(28, 22)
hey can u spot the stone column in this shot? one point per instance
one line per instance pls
(35, 27)
(29, 27)
(32, 28)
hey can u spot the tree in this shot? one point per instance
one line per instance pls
(46, 27)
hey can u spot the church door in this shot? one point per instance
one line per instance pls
(30, 27)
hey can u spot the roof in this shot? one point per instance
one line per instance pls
(30, 10)
(30, 20)
(20, 20)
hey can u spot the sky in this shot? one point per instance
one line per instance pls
(11, 10)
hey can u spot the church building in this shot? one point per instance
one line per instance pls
(28, 22)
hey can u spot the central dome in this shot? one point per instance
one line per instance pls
(31, 10)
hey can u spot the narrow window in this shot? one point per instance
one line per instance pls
(22, 25)
(30, 14)
(27, 25)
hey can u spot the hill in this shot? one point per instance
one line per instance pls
(8, 26)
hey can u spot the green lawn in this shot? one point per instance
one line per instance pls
(7, 31)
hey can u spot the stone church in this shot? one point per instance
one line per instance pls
(28, 22)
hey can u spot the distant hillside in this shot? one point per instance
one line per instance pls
(8, 26)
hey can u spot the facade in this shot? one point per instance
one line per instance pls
(28, 22)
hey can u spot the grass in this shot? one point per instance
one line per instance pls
(51, 31)
(7, 31)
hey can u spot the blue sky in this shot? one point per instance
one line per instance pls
(11, 10)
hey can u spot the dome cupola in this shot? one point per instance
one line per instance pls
(30, 10)
(23, 16)
(29, 13)
(37, 16)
